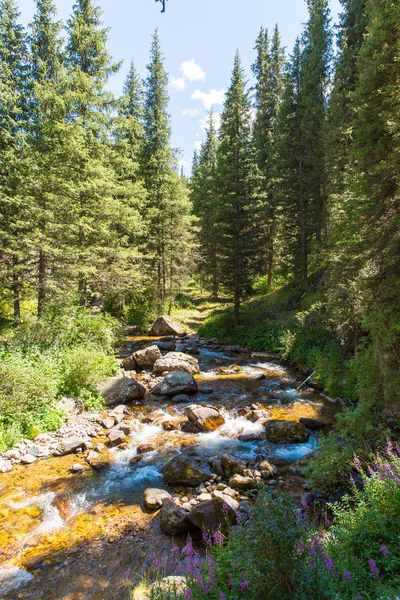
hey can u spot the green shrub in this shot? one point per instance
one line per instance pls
(83, 367)
(141, 311)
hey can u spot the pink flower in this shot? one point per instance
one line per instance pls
(175, 549)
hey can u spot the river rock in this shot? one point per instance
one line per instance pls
(207, 418)
(234, 504)
(69, 445)
(153, 498)
(98, 460)
(240, 482)
(145, 448)
(213, 515)
(170, 425)
(265, 465)
(28, 459)
(286, 432)
(108, 422)
(186, 470)
(176, 383)
(117, 390)
(77, 468)
(256, 415)
(116, 436)
(38, 451)
(147, 357)
(181, 398)
(177, 361)
(173, 519)
(311, 423)
(166, 325)
(128, 364)
(232, 465)
(166, 346)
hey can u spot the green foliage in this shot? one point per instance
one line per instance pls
(83, 366)
(141, 310)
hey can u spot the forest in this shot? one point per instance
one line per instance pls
(287, 233)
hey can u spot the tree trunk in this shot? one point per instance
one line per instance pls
(16, 292)
(42, 282)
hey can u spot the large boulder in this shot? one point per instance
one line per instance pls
(207, 418)
(176, 383)
(166, 325)
(69, 445)
(213, 515)
(232, 465)
(177, 361)
(286, 432)
(153, 498)
(187, 470)
(173, 518)
(241, 482)
(118, 390)
(147, 357)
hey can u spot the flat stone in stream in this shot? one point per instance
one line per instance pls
(286, 432)
(207, 418)
(187, 470)
(153, 498)
(173, 518)
(177, 361)
(213, 515)
(176, 383)
(69, 445)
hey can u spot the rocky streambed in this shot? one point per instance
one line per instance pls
(192, 429)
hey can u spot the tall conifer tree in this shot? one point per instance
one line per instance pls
(239, 207)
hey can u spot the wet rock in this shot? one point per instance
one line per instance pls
(126, 428)
(28, 459)
(256, 415)
(153, 498)
(145, 448)
(98, 460)
(77, 468)
(116, 437)
(311, 423)
(216, 466)
(147, 357)
(108, 423)
(128, 364)
(181, 398)
(176, 383)
(121, 389)
(213, 515)
(173, 519)
(69, 445)
(186, 470)
(64, 505)
(170, 426)
(177, 361)
(206, 390)
(190, 427)
(251, 437)
(166, 346)
(232, 465)
(286, 432)
(241, 482)
(207, 418)
(166, 325)
(265, 465)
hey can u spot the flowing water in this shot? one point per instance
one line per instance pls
(88, 536)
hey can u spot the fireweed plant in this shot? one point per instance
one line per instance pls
(283, 554)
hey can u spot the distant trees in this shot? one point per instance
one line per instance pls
(90, 198)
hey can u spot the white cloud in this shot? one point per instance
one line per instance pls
(191, 71)
(198, 145)
(214, 97)
(178, 84)
(191, 112)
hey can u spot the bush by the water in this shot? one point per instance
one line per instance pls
(64, 353)
(283, 554)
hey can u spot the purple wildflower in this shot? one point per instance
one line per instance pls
(225, 507)
(327, 522)
(312, 566)
(352, 481)
(175, 549)
(188, 550)
(374, 569)
(357, 463)
(347, 576)
(389, 448)
(300, 547)
(230, 582)
(222, 596)
(126, 574)
(218, 537)
(207, 539)
(188, 595)
(385, 551)
(329, 563)
(244, 585)
(304, 505)
(359, 597)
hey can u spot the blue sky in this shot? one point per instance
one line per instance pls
(199, 40)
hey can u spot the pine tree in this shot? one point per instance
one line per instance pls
(316, 59)
(158, 168)
(91, 111)
(239, 215)
(15, 209)
(268, 70)
(46, 141)
(204, 197)
(291, 185)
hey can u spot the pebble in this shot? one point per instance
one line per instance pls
(77, 468)
(28, 459)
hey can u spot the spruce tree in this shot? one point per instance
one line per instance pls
(94, 207)
(204, 197)
(158, 168)
(47, 126)
(15, 208)
(239, 217)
